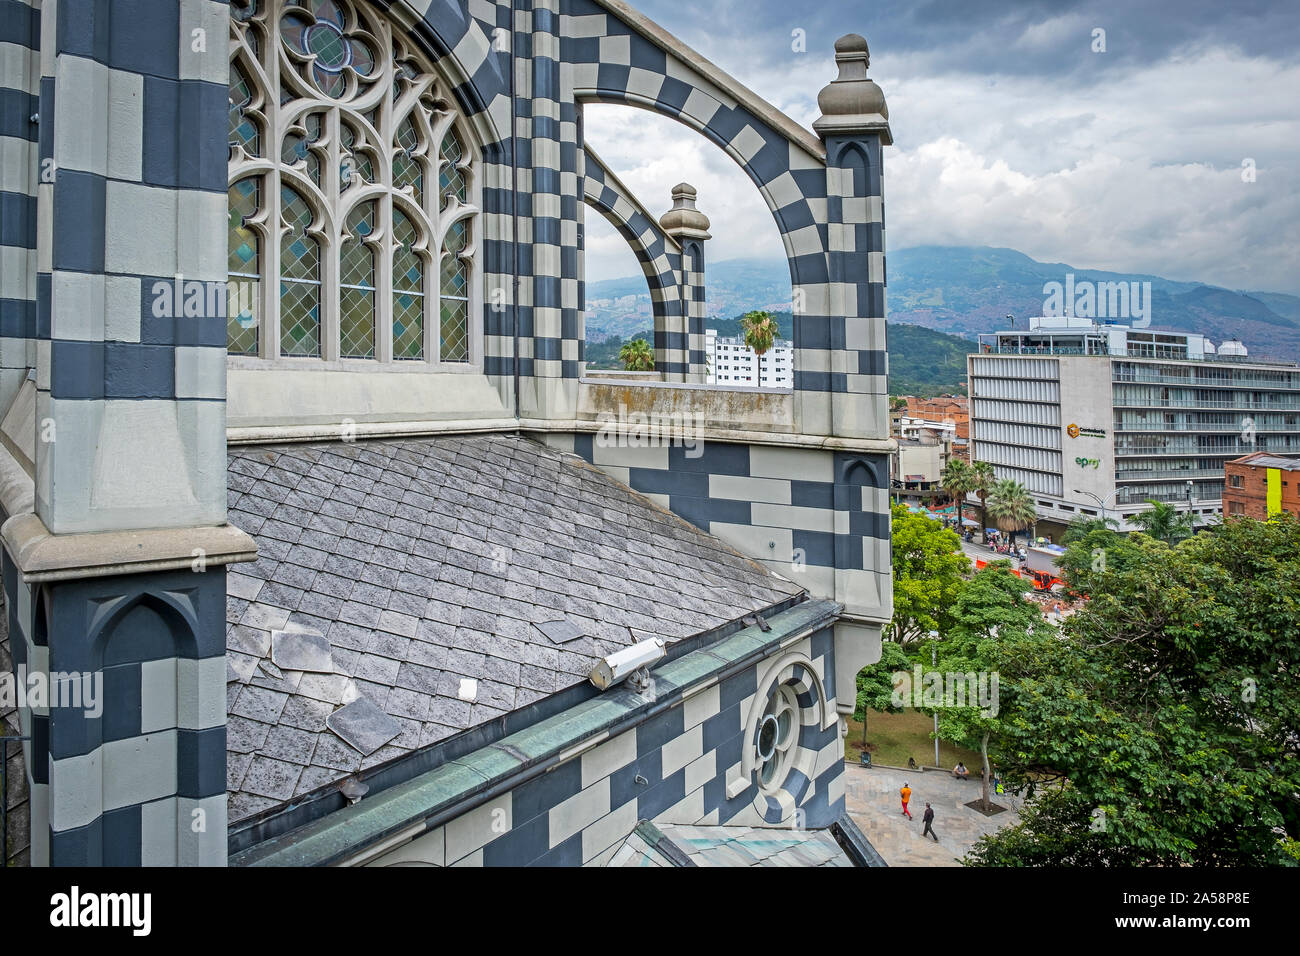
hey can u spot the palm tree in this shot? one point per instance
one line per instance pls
(1012, 507)
(981, 478)
(637, 356)
(956, 481)
(1164, 521)
(759, 329)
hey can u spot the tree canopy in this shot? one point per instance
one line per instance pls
(1163, 729)
(637, 356)
(1011, 506)
(1164, 521)
(928, 565)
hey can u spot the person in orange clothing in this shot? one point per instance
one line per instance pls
(906, 794)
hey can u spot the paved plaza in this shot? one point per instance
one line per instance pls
(873, 803)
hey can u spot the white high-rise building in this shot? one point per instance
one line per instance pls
(732, 362)
(1098, 419)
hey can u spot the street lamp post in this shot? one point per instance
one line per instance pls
(934, 662)
(1189, 504)
(1101, 502)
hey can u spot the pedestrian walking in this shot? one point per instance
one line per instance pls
(906, 794)
(928, 817)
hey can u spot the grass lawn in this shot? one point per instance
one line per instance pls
(892, 738)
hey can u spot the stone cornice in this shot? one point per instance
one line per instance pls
(42, 556)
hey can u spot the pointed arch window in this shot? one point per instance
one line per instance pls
(353, 196)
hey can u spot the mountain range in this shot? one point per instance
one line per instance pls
(965, 290)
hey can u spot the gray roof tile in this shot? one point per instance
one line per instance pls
(427, 561)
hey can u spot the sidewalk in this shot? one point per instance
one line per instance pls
(871, 796)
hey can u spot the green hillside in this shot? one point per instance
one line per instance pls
(921, 361)
(964, 290)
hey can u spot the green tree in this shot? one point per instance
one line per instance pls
(995, 629)
(637, 356)
(1164, 521)
(956, 480)
(929, 572)
(1011, 507)
(759, 330)
(1092, 545)
(876, 684)
(982, 479)
(1164, 729)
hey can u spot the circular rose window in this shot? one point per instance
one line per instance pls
(778, 733)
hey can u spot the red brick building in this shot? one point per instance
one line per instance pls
(1261, 485)
(942, 408)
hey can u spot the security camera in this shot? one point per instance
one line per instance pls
(635, 660)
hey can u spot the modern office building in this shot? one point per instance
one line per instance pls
(1098, 419)
(732, 362)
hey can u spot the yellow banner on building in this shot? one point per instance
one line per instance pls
(1274, 494)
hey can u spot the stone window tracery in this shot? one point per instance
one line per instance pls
(353, 219)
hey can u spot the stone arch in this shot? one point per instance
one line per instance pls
(784, 161)
(162, 624)
(658, 254)
(464, 53)
(764, 156)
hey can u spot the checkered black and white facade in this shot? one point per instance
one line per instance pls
(113, 195)
(691, 764)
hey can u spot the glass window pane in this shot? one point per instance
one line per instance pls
(299, 318)
(451, 178)
(357, 278)
(408, 269)
(408, 326)
(357, 318)
(408, 169)
(299, 279)
(244, 266)
(408, 291)
(457, 236)
(455, 277)
(243, 131)
(455, 330)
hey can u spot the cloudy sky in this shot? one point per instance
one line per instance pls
(1010, 130)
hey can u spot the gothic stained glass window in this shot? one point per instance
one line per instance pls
(333, 113)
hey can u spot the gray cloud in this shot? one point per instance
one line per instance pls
(1010, 131)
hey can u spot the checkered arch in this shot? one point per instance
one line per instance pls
(659, 255)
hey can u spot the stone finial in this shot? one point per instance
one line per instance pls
(684, 219)
(851, 103)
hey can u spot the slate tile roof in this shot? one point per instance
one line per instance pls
(428, 565)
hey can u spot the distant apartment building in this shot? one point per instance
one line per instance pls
(1261, 486)
(732, 362)
(942, 408)
(916, 466)
(951, 411)
(1097, 419)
